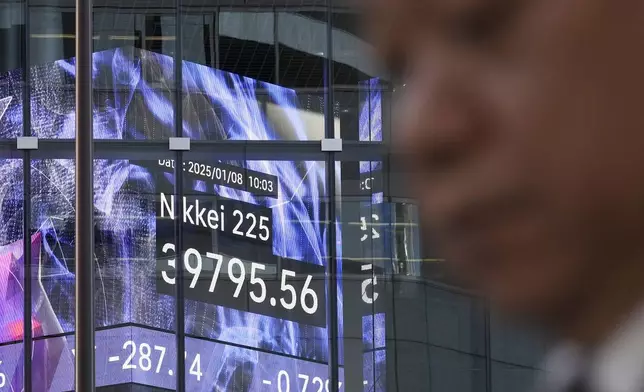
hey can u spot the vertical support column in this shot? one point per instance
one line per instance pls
(332, 281)
(178, 231)
(28, 273)
(26, 205)
(84, 200)
(179, 301)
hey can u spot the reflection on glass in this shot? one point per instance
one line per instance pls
(365, 253)
(134, 83)
(133, 100)
(11, 64)
(370, 112)
(223, 106)
(352, 54)
(199, 34)
(302, 48)
(52, 38)
(53, 219)
(246, 44)
(360, 112)
(375, 371)
(124, 214)
(455, 371)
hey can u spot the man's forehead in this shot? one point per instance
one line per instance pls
(399, 12)
(436, 6)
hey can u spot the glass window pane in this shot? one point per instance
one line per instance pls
(52, 289)
(455, 371)
(53, 217)
(510, 378)
(231, 89)
(456, 321)
(12, 56)
(136, 321)
(302, 37)
(134, 83)
(352, 54)
(52, 39)
(52, 364)
(12, 274)
(218, 105)
(302, 44)
(515, 344)
(247, 44)
(365, 266)
(199, 33)
(361, 92)
(11, 251)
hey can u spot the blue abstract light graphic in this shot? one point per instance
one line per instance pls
(370, 124)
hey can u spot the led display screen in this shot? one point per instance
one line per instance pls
(253, 248)
(145, 356)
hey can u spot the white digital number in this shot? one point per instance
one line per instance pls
(3, 378)
(282, 375)
(264, 233)
(194, 271)
(195, 368)
(366, 283)
(219, 259)
(249, 232)
(263, 229)
(239, 223)
(145, 363)
(306, 381)
(306, 291)
(318, 381)
(171, 262)
(255, 280)
(326, 385)
(239, 280)
(145, 356)
(128, 362)
(161, 350)
(287, 287)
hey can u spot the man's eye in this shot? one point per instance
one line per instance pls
(397, 69)
(475, 29)
(483, 25)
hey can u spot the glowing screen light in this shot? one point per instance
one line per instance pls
(135, 101)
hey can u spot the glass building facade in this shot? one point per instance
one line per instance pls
(296, 253)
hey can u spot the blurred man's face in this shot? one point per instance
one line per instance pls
(522, 122)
